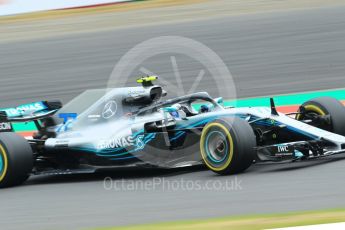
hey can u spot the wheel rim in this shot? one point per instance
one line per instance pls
(1, 165)
(313, 110)
(216, 146)
(222, 164)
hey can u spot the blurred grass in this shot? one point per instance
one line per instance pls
(56, 23)
(218, 7)
(249, 222)
(105, 8)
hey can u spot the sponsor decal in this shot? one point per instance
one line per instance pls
(284, 150)
(5, 126)
(135, 92)
(25, 109)
(70, 135)
(62, 143)
(122, 142)
(68, 116)
(67, 123)
(109, 110)
(273, 122)
(64, 127)
(94, 116)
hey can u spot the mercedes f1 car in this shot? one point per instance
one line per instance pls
(135, 127)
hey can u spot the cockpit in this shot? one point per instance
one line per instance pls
(190, 105)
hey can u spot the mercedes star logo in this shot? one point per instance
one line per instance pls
(109, 110)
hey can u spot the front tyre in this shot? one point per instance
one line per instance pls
(227, 145)
(16, 159)
(326, 113)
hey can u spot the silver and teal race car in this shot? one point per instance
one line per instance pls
(135, 127)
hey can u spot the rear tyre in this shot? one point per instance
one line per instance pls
(16, 159)
(324, 106)
(227, 145)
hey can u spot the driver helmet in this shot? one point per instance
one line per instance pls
(204, 109)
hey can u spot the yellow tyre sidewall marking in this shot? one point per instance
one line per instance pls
(5, 162)
(202, 144)
(313, 108)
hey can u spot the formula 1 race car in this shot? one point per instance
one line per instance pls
(135, 127)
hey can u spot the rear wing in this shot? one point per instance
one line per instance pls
(30, 112)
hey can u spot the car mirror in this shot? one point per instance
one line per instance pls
(219, 100)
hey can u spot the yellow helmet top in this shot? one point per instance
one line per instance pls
(147, 79)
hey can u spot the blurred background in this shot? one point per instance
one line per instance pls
(270, 47)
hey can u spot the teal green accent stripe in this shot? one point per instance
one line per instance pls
(24, 127)
(280, 100)
(286, 100)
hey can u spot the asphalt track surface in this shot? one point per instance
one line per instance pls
(270, 53)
